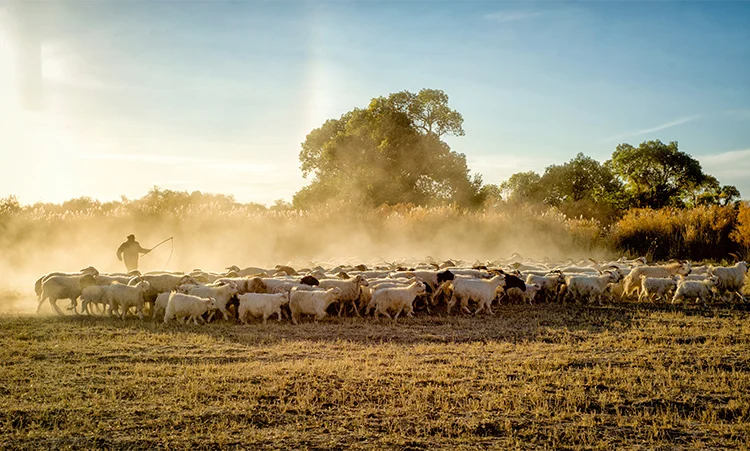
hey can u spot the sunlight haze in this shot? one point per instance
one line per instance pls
(104, 99)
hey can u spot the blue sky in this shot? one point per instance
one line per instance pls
(111, 98)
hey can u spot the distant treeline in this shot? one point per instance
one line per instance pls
(703, 232)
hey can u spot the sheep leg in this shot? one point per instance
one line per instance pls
(383, 312)
(265, 318)
(278, 312)
(452, 302)
(39, 307)
(54, 305)
(295, 318)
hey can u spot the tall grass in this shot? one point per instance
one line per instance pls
(701, 233)
(214, 231)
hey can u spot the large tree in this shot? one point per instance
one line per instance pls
(657, 174)
(390, 152)
(580, 187)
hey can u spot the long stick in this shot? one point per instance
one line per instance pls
(171, 237)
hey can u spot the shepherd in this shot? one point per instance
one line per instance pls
(131, 249)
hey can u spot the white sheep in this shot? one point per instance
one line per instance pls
(93, 294)
(63, 287)
(350, 290)
(260, 305)
(182, 306)
(396, 299)
(220, 293)
(656, 286)
(694, 289)
(160, 304)
(483, 291)
(90, 270)
(632, 282)
(582, 287)
(249, 271)
(528, 296)
(245, 284)
(548, 284)
(730, 279)
(162, 282)
(126, 296)
(312, 302)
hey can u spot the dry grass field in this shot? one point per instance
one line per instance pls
(539, 377)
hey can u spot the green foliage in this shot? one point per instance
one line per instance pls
(582, 187)
(656, 174)
(389, 153)
(523, 187)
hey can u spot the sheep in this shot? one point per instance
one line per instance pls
(93, 294)
(220, 293)
(731, 279)
(183, 306)
(516, 294)
(367, 292)
(349, 291)
(656, 286)
(513, 281)
(272, 282)
(109, 279)
(160, 304)
(249, 271)
(245, 284)
(583, 287)
(210, 277)
(396, 299)
(310, 280)
(474, 273)
(548, 283)
(163, 282)
(261, 305)
(126, 296)
(38, 284)
(694, 289)
(312, 302)
(632, 282)
(63, 287)
(481, 290)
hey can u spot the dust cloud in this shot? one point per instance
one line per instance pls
(32, 247)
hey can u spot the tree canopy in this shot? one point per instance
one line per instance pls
(580, 187)
(390, 152)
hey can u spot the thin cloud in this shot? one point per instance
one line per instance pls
(664, 126)
(731, 168)
(511, 16)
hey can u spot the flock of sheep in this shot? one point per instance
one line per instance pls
(387, 289)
